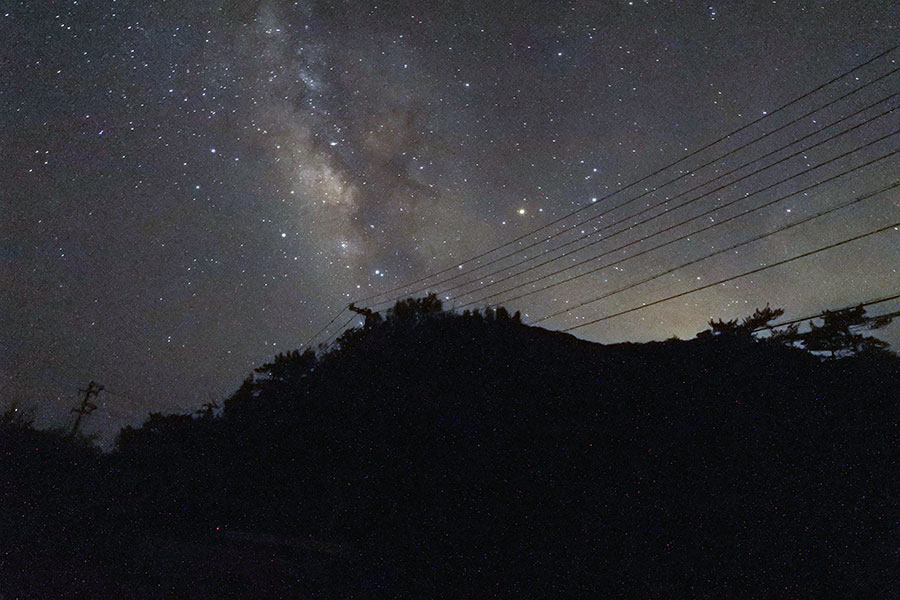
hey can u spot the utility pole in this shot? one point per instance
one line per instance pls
(368, 313)
(87, 407)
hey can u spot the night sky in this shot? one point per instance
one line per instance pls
(188, 188)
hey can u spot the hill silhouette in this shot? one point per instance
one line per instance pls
(436, 455)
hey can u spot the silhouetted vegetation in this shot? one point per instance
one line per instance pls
(760, 319)
(436, 455)
(839, 334)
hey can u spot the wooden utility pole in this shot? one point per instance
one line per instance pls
(87, 407)
(368, 313)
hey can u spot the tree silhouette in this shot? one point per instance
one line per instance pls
(240, 403)
(289, 365)
(479, 452)
(839, 334)
(760, 319)
(416, 308)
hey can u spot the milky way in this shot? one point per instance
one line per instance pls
(190, 188)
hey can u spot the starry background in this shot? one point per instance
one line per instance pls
(188, 188)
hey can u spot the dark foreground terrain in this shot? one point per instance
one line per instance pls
(442, 456)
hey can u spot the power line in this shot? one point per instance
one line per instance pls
(821, 314)
(724, 250)
(683, 158)
(63, 383)
(330, 339)
(890, 315)
(766, 115)
(654, 190)
(656, 233)
(669, 228)
(756, 238)
(667, 243)
(733, 277)
(691, 201)
(323, 329)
